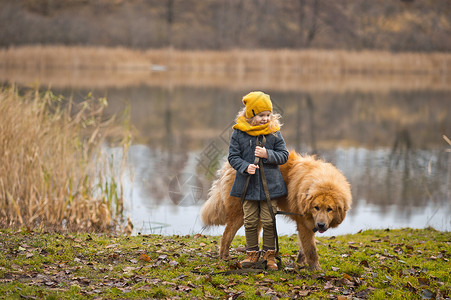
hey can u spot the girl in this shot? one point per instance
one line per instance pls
(254, 121)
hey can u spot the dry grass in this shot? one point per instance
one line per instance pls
(92, 79)
(232, 61)
(62, 57)
(307, 70)
(49, 163)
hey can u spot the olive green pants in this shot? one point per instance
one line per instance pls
(254, 213)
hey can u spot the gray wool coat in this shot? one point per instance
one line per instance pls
(241, 154)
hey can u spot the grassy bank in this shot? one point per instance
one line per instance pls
(374, 264)
(52, 170)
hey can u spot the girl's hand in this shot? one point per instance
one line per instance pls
(261, 152)
(252, 168)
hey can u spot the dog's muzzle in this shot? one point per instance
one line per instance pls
(321, 227)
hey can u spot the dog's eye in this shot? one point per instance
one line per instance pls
(329, 209)
(316, 207)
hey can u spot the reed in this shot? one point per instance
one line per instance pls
(51, 171)
(236, 61)
(277, 70)
(100, 79)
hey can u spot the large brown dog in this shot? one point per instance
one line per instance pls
(316, 190)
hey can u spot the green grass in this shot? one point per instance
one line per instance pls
(374, 264)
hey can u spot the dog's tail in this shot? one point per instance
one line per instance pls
(213, 211)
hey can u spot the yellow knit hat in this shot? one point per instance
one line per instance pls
(256, 102)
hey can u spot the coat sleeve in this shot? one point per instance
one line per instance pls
(278, 155)
(235, 157)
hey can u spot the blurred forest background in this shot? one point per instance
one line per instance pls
(393, 25)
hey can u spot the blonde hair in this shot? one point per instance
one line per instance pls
(274, 121)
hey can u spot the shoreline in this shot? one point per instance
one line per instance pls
(279, 70)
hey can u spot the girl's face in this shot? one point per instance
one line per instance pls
(262, 118)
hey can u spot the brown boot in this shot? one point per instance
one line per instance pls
(270, 257)
(251, 258)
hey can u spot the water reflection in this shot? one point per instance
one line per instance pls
(388, 143)
(384, 196)
(389, 146)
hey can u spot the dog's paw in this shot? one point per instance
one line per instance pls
(300, 259)
(226, 257)
(315, 267)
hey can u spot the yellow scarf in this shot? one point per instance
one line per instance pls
(243, 125)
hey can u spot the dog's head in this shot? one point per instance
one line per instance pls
(327, 209)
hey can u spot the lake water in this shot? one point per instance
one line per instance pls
(387, 140)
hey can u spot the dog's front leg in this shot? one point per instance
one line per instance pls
(307, 250)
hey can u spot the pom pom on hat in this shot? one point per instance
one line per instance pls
(256, 102)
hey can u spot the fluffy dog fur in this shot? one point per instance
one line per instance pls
(316, 189)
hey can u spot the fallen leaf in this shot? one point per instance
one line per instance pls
(427, 294)
(128, 269)
(347, 282)
(304, 293)
(347, 277)
(240, 249)
(423, 281)
(50, 283)
(328, 286)
(154, 281)
(365, 263)
(173, 263)
(363, 294)
(144, 257)
(398, 250)
(410, 287)
(113, 256)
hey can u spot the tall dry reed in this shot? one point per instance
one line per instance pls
(49, 163)
(286, 70)
(237, 61)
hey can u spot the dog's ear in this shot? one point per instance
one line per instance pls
(346, 205)
(339, 215)
(306, 202)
